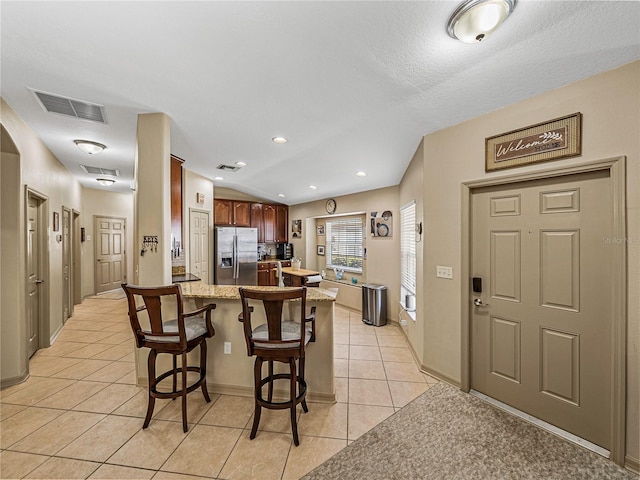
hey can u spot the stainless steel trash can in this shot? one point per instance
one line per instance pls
(374, 304)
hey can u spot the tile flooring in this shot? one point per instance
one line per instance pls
(80, 413)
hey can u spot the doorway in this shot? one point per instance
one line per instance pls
(110, 254)
(199, 243)
(67, 271)
(548, 292)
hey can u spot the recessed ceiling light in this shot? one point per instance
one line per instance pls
(279, 140)
(361, 174)
(312, 187)
(106, 182)
(241, 164)
(87, 146)
(281, 195)
(218, 178)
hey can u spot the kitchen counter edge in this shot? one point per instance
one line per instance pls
(230, 292)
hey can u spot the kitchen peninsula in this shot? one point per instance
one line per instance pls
(232, 373)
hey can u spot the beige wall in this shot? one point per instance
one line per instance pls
(192, 183)
(382, 263)
(610, 104)
(42, 172)
(230, 194)
(108, 204)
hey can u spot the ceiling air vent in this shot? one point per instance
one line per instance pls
(228, 168)
(100, 171)
(71, 107)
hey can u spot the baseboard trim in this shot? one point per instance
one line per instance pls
(632, 464)
(55, 335)
(440, 375)
(10, 382)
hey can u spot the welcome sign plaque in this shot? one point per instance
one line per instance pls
(559, 138)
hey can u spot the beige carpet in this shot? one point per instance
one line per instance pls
(447, 434)
(111, 295)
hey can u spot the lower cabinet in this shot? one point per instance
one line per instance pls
(268, 273)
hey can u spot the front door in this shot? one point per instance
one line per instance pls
(34, 278)
(199, 244)
(67, 304)
(110, 253)
(541, 328)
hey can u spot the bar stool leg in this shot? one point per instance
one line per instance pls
(270, 390)
(301, 375)
(185, 427)
(151, 369)
(292, 396)
(203, 370)
(257, 376)
(175, 374)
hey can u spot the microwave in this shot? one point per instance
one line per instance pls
(284, 251)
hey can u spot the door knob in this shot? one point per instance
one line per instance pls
(478, 303)
(38, 282)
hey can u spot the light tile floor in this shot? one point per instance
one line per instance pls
(79, 415)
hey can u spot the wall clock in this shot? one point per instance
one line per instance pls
(331, 205)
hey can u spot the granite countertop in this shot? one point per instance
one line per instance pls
(184, 277)
(230, 292)
(301, 272)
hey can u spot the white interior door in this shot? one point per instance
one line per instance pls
(110, 241)
(540, 328)
(199, 244)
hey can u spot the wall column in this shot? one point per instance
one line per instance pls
(153, 199)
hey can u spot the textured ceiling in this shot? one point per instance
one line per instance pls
(352, 85)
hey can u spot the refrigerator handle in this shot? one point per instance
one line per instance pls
(235, 257)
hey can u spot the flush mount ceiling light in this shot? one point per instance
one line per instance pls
(361, 174)
(281, 195)
(475, 20)
(312, 187)
(218, 178)
(87, 146)
(106, 182)
(279, 140)
(241, 164)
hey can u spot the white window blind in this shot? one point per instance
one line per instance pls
(408, 248)
(345, 244)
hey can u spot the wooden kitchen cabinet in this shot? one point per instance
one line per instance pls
(230, 212)
(269, 212)
(176, 198)
(257, 220)
(242, 214)
(264, 274)
(282, 233)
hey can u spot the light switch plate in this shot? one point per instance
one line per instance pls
(227, 348)
(444, 272)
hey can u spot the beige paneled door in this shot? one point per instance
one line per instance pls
(34, 273)
(67, 303)
(541, 327)
(110, 244)
(199, 244)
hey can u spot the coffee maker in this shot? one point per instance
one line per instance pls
(284, 251)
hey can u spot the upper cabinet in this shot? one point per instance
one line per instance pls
(269, 219)
(176, 198)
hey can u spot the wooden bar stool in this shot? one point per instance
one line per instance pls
(176, 337)
(281, 341)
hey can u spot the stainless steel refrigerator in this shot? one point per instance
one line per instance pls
(236, 253)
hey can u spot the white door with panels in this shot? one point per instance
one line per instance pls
(541, 327)
(110, 241)
(34, 272)
(199, 244)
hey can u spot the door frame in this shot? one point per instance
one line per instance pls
(95, 248)
(76, 255)
(67, 247)
(44, 327)
(617, 177)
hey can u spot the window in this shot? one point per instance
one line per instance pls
(408, 249)
(344, 244)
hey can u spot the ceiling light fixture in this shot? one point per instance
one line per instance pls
(313, 187)
(281, 195)
(87, 146)
(218, 178)
(241, 164)
(475, 20)
(106, 182)
(361, 174)
(279, 140)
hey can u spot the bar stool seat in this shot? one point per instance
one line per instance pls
(281, 341)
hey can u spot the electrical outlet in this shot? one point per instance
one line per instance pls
(444, 272)
(227, 348)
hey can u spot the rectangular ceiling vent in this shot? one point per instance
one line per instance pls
(228, 168)
(71, 107)
(100, 171)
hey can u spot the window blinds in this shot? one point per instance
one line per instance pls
(408, 247)
(345, 243)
